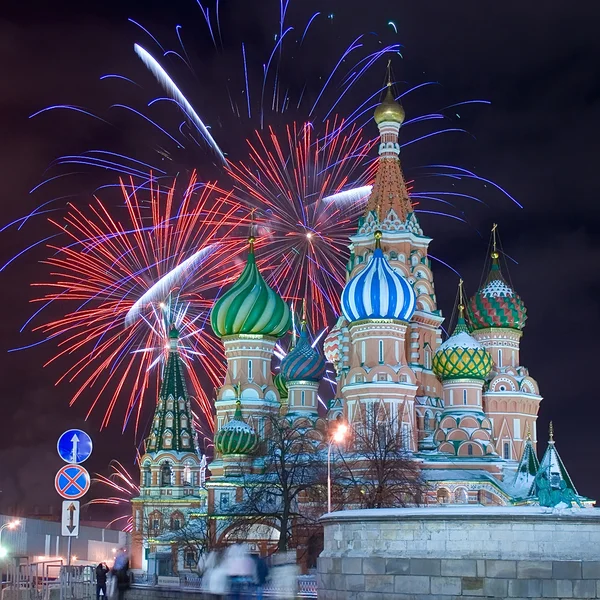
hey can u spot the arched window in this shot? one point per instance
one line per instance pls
(461, 496)
(427, 421)
(187, 475)
(176, 521)
(506, 450)
(499, 358)
(443, 496)
(146, 476)
(427, 356)
(166, 474)
(470, 449)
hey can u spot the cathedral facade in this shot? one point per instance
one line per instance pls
(466, 406)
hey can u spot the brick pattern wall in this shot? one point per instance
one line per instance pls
(379, 578)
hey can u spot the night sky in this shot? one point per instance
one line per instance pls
(536, 62)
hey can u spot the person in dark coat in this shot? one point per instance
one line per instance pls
(262, 572)
(101, 572)
(121, 572)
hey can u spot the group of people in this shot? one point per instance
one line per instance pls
(120, 580)
(237, 574)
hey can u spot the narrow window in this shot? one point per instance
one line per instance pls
(499, 358)
(250, 370)
(302, 398)
(451, 397)
(381, 351)
(470, 449)
(464, 396)
(506, 451)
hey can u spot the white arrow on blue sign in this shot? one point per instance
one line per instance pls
(74, 446)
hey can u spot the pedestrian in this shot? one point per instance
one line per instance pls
(261, 572)
(240, 570)
(101, 572)
(121, 572)
(214, 582)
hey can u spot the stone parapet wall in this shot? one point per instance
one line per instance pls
(448, 553)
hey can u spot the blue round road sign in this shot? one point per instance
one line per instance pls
(74, 446)
(72, 482)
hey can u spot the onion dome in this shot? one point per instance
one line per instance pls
(378, 291)
(250, 306)
(281, 385)
(389, 110)
(333, 342)
(496, 304)
(303, 363)
(461, 356)
(236, 436)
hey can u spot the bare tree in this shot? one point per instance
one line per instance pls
(288, 493)
(376, 469)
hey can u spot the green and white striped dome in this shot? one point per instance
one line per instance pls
(250, 306)
(236, 436)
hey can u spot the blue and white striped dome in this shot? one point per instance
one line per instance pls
(378, 292)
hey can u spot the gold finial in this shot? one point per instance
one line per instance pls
(461, 296)
(251, 236)
(528, 434)
(389, 73)
(378, 236)
(494, 241)
(303, 312)
(551, 432)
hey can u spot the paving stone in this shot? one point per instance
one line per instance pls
(397, 566)
(373, 566)
(379, 583)
(557, 588)
(411, 584)
(584, 589)
(525, 588)
(459, 567)
(501, 568)
(425, 566)
(532, 569)
(351, 565)
(566, 569)
(496, 588)
(355, 583)
(590, 569)
(472, 586)
(446, 585)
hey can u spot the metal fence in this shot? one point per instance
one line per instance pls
(306, 584)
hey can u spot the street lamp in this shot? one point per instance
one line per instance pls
(9, 525)
(338, 436)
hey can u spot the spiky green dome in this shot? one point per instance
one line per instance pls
(250, 306)
(281, 385)
(303, 363)
(461, 356)
(496, 304)
(236, 436)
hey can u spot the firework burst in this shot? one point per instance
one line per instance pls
(127, 280)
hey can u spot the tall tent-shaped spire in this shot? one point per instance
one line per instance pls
(553, 466)
(528, 468)
(388, 206)
(172, 426)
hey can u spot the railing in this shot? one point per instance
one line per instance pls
(307, 584)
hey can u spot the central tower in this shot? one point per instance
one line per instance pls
(383, 345)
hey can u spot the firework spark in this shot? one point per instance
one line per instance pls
(122, 283)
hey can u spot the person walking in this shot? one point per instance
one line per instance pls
(261, 572)
(101, 573)
(121, 572)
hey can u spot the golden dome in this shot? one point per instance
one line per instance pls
(389, 109)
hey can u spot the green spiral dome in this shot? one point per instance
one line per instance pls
(250, 306)
(461, 356)
(281, 385)
(236, 436)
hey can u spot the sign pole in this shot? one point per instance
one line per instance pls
(69, 551)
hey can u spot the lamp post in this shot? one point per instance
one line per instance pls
(9, 525)
(337, 437)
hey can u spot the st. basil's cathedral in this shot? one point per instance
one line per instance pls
(466, 406)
